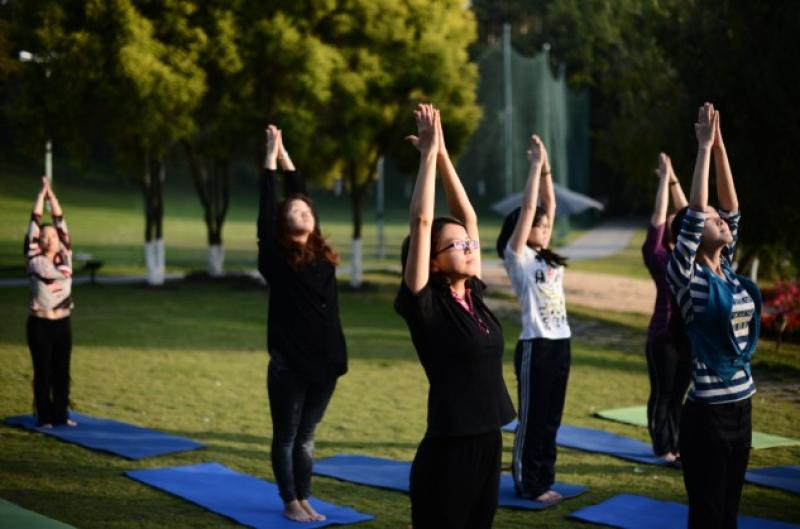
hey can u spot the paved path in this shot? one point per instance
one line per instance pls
(602, 241)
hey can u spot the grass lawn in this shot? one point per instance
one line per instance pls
(189, 358)
(196, 367)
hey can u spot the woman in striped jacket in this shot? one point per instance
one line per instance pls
(721, 313)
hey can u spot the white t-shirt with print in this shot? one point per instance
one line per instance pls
(540, 290)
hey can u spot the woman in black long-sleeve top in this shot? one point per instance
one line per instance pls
(304, 332)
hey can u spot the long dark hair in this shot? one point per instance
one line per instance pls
(437, 226)
(510, 222)
(315, 249)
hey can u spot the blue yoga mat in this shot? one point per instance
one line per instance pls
(602, 442)
(114, 437)
(629, 511)
(393, 475)
(245, 499)
(784, 478)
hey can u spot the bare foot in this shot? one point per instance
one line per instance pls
(550, 496)
(317, 517)
(71, 423)
(669, 457)
(295, 512)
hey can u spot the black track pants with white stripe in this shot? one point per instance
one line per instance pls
(542, 368)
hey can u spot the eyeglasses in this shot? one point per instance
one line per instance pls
(458, 244)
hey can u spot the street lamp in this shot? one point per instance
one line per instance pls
(26, 56)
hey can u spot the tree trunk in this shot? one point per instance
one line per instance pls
(357, 205)
(153, 190)
(212, 181)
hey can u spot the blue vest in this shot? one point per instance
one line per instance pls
(711, 333)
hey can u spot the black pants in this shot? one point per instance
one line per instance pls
(296, 407)
(715, 447)
(50, 342)
(542, 368)
(670, 371)
(455, 482)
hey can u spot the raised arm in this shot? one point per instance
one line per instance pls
(704, 130)
(266, 196)
(680, 269)
(519, 237)
(659, 216)
(31, 246)
(457, 200)
(417, 269)
(58, 217)
(726, 191)
(547, 197)
(675, 190)
(295, 183)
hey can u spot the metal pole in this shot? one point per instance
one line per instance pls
(508, 130)
(48, 146)
(379, 208)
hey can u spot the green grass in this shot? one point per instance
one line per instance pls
(190, 359)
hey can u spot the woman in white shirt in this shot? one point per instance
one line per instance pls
(542, 357)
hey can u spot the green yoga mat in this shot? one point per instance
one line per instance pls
(12, 515)
(637, 415)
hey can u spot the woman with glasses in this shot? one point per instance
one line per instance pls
(455, 475)
(721, 314)
(542, 357)
(305, 339)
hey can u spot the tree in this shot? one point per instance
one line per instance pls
(381, 57)
(220, 131)
(741, 56)
(119, 69)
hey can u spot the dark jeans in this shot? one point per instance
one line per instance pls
(455, 482)
(50, 342)
(715, 447)
(542, 368)
(670, 370)
(296, 407)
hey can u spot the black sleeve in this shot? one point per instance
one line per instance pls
(417, 308)
(295, 183)
(266, 218)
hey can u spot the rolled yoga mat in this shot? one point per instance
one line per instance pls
(630, 511)
(637, 415)
(114, 437)
(245, 499)
(393, 475)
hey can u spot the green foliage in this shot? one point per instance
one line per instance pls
(650, 64)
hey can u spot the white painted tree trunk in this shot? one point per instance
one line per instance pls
(216, 260)
(161, 260)
(150, 262)
(154, 261)
(357, 270)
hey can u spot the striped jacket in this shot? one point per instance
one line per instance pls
(689, 282)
